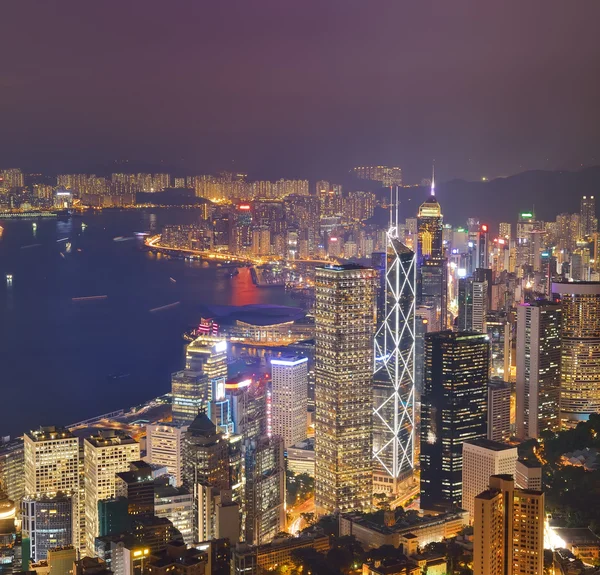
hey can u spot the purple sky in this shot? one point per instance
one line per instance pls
(305, 88)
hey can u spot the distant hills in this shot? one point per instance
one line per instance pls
(500, 200)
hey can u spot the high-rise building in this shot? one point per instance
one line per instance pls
(528, 475)
(538, 368)
(453, 410)
(164, 446)
(505, 231)
(176, 504)
(104, 455)
(345, 322)
(386, 175)
(580, 350)
(189, 395)
(473, 303)
(508, 536)
(394, 367)
(208, 354)
(51, 462)
(47, 522)
(432, 272)
(264, 500)
(499, 393)
(483, 458)
(12, 480)
(588, 221)
(289, 398)
(137, 486)
(12, 178)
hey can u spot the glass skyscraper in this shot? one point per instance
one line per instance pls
(345, 326)
(394, 366)
(453, 410)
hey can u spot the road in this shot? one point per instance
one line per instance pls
(297, 523)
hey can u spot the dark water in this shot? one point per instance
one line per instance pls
(56, 354)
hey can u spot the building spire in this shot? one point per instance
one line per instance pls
(433, 180)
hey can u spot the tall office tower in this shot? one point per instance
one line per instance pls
(580, 350)
(51, 469)
(483, 458)
(164, 446)
(51, 462)
(289, 398)
(264, 501)
(208, 354)
(205, 470)
(505, 231)
(432, 272)
(104, 455)
(453, 410)
(508, 536)
(498, 411)
(205, 455)
(47, 522)
(345, 322)
(588, 220)
(189, 395)
(304, 212)
(538, 368)
(176, 504)
(527, 227)
(394, 366)
(472, 303)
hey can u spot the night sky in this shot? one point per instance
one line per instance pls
(301, 89)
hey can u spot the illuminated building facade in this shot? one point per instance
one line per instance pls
(264, 501)
(508, 535)
(51, 462)
(499, 393)
(588, 221)
(189, 393)
(104, 455)
(453, 410)
(387, 175)
(164, 446)
(394, 366)
(538, 368)
(289, 388)
(483, 458)
(47, 522)
(345, 322)
(580, 350)
(432, 272)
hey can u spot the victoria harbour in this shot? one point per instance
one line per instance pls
(87, 357)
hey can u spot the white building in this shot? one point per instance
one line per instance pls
(164, 446)
(483, 458)
(104, 455)
(529, 475)
(498, 411)
(289, 380)
(177, 505)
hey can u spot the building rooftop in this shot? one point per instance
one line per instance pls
(530, 463)
(110, 437)
(49, 433)
(490, 445)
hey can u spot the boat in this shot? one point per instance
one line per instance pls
(83, 225)
(9, 279)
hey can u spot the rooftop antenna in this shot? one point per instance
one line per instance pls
(433, 179)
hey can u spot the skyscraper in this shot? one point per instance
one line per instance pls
(189, 395)
(588, 221)
(345, 322)
(473, 303)
(164, 446)
(483, 458)
(453, 410)
(289, 398)
(580, 350)
(432, 272)
(538, 368)
(105, 454)
(51, 462)
(394, 368)
(264, 500)
(498, 411)
(508, 537)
